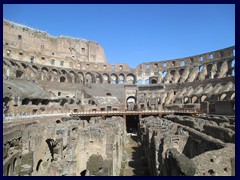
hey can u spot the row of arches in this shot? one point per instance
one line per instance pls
(29, 71)
(206, 71)
(210, 56)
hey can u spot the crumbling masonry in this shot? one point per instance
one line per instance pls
(68, 112)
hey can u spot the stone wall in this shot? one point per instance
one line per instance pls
(65, 147)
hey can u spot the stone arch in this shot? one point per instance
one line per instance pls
(200, 69)
(130, 78)
(219, 65)
(209, 68)
(139, 81)
(63, 71)
(73, 76)
(147, 81)
(223, 97)
(203, 98)
(25, 101)
(19, 74)
(88, 77)
(154, 81)
(14, 64)
(62, 79)
(44, 69)
(83, 173)
(81, 78)
(114, 78)
(24, 66)
(6, 100)
(181, 71)
(121, 78)
(55, 71)
(182, 63)
(99, 79)
(194, 99)
(186, 100)
(164, 74)
(45, 74)
(131, 102)
(106, 78)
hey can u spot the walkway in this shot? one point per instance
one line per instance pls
(135, 158)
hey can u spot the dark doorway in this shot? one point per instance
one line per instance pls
(154, 81)
(132, 124)
(83, 173)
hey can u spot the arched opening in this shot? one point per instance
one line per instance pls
(63, 102)
(139, 82)
(35, 67)
(25, 101)
(194, 99)
(181, 71)
(62, 79)
(121, 78)
(36, 101)
(105, 78)
(131, 103)
(58, 121)
(130, 79)
(223, 96)
(38, 165)
(83, 173)
(50, 146)
(200, 68)
(132, 124)
(19, 74)
(114, 79)
(232, 96)
(45, 102)
(6, 100)
(71, 101)
(154, 81)
(164, 74)
(54, 71)
(186, 100)
(24, 65)
(164, 64)
(99, 79)
(88, 78)
(34, 111)
(81, 77)
(182, 63)
(147, 81)
(108, 94)
(210, 56)
(203, 98)
(45, 70)
(73, 77)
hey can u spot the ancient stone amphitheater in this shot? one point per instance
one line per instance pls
(68, 112)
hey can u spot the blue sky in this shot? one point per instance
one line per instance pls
(134, 34)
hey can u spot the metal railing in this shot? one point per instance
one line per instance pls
(122, 112)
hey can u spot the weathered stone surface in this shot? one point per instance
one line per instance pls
(184, 106)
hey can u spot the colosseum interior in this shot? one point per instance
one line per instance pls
(67, 112)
